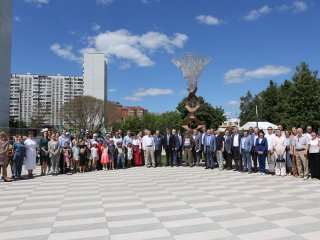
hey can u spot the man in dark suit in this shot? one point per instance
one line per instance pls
(175, 148)
(210, 146)
(236, 141)
(168, 146)
(203, 137)
(196, 151)
(181, 140)
(254, 152)
(227, 149)
(158, 142)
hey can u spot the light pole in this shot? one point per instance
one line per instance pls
(20, 90)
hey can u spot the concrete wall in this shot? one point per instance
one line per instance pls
(5, 60)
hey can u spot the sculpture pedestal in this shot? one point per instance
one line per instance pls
(192, 119)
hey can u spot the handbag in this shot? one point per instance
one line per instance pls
(280, 159)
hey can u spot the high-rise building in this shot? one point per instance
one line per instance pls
(95, 78)
(42, 96)
(5, 60)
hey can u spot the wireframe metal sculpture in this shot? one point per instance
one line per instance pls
(191, 66)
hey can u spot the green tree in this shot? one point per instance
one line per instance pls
(305, 97)
(13, 123)
(249, 105)
(212, 116)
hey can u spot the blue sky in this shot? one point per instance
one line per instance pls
(250, 42)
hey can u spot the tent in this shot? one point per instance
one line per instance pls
(260, 125)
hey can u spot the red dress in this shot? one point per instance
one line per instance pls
(137, 155)
(105, 156)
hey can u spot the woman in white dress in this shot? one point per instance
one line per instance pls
(280, 149)
(31, 154)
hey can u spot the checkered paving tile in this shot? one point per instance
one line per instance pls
(162, 203)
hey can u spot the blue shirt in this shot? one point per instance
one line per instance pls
(208, 140)
(18, 148)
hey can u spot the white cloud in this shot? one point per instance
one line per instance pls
(104, 2)
(39, 3)
(72, 32)
(233, 104)
(149, 1)
(299, 6)
(238, 75)
(257, 13)
(208, 20)
(17, 19)
(65, 52)
(140, 93)
(95, 27)
(112, 90)
(283, 8)
(131, 48)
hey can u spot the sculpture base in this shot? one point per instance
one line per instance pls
(191, 119)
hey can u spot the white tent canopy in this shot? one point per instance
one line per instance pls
(260, 125)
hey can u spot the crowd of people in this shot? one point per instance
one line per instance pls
(285, 152)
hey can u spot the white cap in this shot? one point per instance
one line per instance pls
(44, 130)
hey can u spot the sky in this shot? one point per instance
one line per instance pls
(250, 42)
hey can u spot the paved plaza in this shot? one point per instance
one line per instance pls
(162, 203)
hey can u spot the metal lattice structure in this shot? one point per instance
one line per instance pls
(191, 66)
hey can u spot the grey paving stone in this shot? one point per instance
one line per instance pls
(135, 228)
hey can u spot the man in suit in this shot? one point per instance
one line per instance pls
(168, 145)
(158, 142)
(175, 148)
(219, 148)
(181, 140)
(227, 149)
(203, 137)
(236, 139)
(254, 152)
(196, 151)
(245, 151)
(210, 147)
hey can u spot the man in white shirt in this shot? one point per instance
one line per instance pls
(150, 148)
(271, 158)
(235, 140)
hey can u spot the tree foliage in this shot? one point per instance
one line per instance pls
(84, 112)
(295, 102)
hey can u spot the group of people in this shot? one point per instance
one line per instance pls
(289, 152)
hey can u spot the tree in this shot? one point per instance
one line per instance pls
(294, 103)
(84, 112)
(212, 116)
(13, 123)
(269, 103)
(170, 120)
(247, 108)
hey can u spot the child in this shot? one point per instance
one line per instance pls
(99, 163)
(19, 152)
(10, 156)
(112, 149)
(94, 155)
(129, 153)
(120, 153)
(66, 152)
(82, 155)
(105, 156)
(75, 152)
